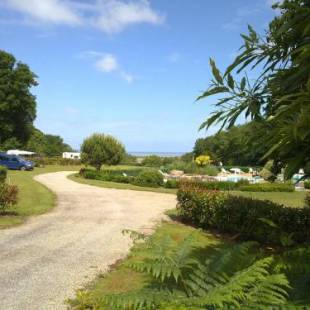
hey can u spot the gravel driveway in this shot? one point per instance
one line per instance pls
(45, 260)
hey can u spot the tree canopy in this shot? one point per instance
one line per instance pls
(240, 145)
(17, 104)
(46, 144)
(279, 97)
(100, 149)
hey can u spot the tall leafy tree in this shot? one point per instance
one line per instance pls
(100, 149)
(17, 104)
(240, 145)
(280, 96)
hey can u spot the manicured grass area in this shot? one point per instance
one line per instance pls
(77, 178)
(294, 199)
(33, 198)
(123, 279)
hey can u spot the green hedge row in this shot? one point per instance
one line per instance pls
(243, 216)
(268, 187)
(3, 174)
(242, 185)
(139, 177)
(44, 161)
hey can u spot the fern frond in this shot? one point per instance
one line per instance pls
(233, 258)
(142, 299)
(167, 263)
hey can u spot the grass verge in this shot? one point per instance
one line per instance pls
(123, 279)
(294, 199)
(33, 197)
(77, 178)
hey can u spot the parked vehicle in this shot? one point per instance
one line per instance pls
(15, 162)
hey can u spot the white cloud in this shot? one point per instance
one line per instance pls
(107, 63)
(49, 11)
(115, 15)
(110, 16)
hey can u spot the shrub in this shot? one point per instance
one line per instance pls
(3, 174)
(99, 149)
(307, 184)
(307, 201)
(44, 161)
(242, 215)
(213, 185)
(172, 183)
(149, 178)
(191, 168)
(203, 160)
(268, 187)
(108, 176)
(152, 161)
(8, 196)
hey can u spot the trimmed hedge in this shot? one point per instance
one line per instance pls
(268, 187)
(107, 176)
(242, 215)
(3, 174)
(44, 161)
(172, 183)
(8, 196)
(149, 178)
(139, 177)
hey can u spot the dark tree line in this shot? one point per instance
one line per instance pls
(240, 145)
(18, 111)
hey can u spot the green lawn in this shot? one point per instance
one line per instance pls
(77, 178)
(33, 198)
(123, 279)
(294, 199)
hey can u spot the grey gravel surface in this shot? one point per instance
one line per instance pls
(45, 260)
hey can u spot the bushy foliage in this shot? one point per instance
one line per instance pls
(106, 175)
(279, 97)
(129, 159)
(242, 215)
(149, 178)
(172, 183)
(17, 104)
(203, 160)
(191, 168)
(307, 201)
(8, 196)
(307, 184)
(152, 161)
(3, 174)
(240, 145)
(44, 161)
(268, 187)
(232, 278)
(99, 149)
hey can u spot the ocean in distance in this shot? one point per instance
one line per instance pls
(161, 154)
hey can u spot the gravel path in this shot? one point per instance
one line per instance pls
(45, 260)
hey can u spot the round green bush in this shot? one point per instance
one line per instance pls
(172, 183)
(3, 174)
(149, 178)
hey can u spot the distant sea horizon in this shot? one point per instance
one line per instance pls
(161, 154)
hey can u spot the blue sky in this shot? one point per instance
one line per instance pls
(128, 68)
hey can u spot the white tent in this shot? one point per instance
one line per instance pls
(20, 153)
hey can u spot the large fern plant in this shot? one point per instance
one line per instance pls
(232, 278)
